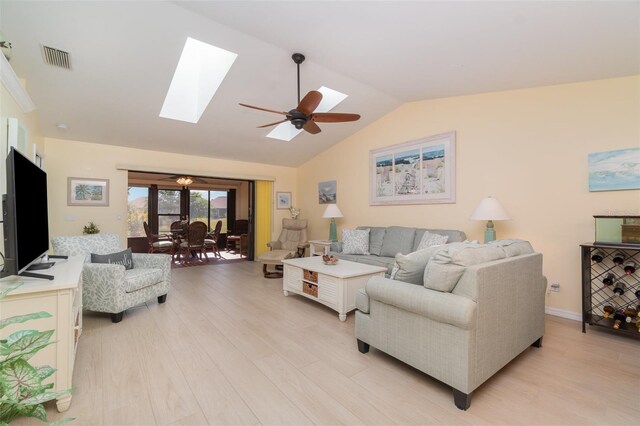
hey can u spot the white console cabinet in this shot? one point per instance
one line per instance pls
(62, 299)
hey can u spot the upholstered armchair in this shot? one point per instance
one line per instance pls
(110, 287)
(292, 242)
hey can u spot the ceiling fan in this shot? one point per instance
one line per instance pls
(303, 116)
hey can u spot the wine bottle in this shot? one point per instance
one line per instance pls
(619, 288)
(630, 313)
(618, 318)
(630, 267)
(618, 258)
(608, 311)
(638, 325)
(609, 279)
(597, 257)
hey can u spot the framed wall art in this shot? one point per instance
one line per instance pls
(283, 200)
(415, 172)
(87, 192)
(614, 170)
(328, 192)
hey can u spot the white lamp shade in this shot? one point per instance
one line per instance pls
(332, 210)
(490, 209)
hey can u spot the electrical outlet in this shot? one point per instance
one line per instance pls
(555, 287)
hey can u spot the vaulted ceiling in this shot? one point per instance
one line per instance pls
(382, 54)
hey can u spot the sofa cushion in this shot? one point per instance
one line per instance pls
(448, 264)
(139, 278)
(430, 239)
(513, 247)
(355, 241)
(454, 236)
(397, 239)
(120, 258)
(376, 238)
(102, 243)
(410, 267)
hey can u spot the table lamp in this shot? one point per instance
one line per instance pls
(489, 209)
(332, 211)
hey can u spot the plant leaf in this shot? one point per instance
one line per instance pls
(5, 290)
(23, 318)
(38, 412)
(25, 340)
(45, 371)
(17, 375)
(44, 397)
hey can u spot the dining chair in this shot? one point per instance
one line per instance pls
(211, 240)
(194, 242)
(158, 243)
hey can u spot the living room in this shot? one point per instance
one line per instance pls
(527, 147)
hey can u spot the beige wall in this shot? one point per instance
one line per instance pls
(527, 148)
(79, 159)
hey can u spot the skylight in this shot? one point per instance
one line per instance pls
(330, 99)
(199, 73)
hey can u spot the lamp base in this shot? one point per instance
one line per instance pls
(333, 232)
(489, 233)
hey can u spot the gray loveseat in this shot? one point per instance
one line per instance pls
(386, 242)
(478, 306)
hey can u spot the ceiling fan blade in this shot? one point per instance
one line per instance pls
(310, 102)
(311, 127)
(334, 117)
(273, 124)
(264, 109)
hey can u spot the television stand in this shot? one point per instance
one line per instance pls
(41, 265)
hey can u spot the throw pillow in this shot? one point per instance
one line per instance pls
(397, 239)
(355, 241)
(430, 239)
(410, 267)
(376, 238)
(121, 258)
(447, 265)
(513, 247)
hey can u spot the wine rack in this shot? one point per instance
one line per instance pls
(596, 295)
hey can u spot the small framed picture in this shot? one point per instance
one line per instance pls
(283, 200)
(87, 192)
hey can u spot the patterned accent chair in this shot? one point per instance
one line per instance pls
(292, 242)
(109, 287)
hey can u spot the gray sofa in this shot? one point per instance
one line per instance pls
(386, 242)
(478, 306)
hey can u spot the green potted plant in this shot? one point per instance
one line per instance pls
(91, 228)
(22, 387)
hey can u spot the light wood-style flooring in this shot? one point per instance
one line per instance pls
(229, 348)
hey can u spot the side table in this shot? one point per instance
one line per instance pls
(323, 247)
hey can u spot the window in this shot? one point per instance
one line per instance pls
(208, 207)
(137, 210)
(168, 209)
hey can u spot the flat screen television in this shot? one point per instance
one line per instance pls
(25, 215)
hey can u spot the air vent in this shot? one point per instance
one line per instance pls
(56, 57)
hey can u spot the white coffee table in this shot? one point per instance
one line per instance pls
(332, 285)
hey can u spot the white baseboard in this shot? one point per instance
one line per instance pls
(576, 316)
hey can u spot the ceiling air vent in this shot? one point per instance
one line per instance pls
(56, 57)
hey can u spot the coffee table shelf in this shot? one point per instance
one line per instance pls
(334, 286)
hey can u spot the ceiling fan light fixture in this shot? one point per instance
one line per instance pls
(184, 180)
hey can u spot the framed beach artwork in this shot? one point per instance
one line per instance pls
(87, 192)
(415, 172)
(283, 200)
(614, 170)
(328, 192)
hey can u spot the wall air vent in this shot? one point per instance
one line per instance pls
(56, 57)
